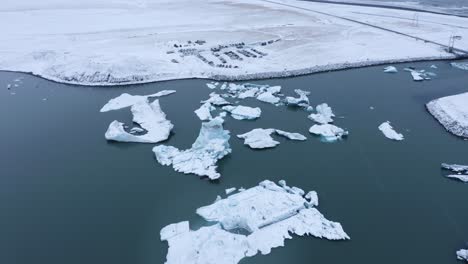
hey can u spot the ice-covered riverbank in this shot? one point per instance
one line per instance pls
(125, 42)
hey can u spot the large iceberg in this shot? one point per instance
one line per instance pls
(127, 100)
(260, 138)
(462, 254)
(324, 114)
(150, 117)
(269, 213)
(389, 132)
(328, 132)
(452, 113)
(241, 112)
(211, 145)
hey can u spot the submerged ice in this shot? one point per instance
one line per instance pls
(211, 145)
(260, 138)
(269, 213)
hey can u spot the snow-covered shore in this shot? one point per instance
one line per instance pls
(452, 113)
(104, 42)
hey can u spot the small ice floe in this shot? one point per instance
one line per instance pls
(268, 97)
(328, 132)
(260, 138)
(302, 100)
(463, 178)
(390, 69)
(462, 254)
(127, 100)
(460, 65)
(433, 66)
(212, 85)
(324, 114)
(389, 132)
(216, 100)
(452, 113)
(204, 112)
(264, 93)
(241, 112)
(269, 213)
(211, 145)
(230, 190)
(461, 170)
(150, 117)
(419, 75)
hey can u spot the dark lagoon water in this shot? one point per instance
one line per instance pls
(68, 196)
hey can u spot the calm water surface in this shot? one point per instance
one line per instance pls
(68, 196)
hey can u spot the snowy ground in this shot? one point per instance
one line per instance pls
(107, 42)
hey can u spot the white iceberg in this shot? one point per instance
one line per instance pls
(241, 112)
(328, 132)
(260, 138)
(230, 190)
(302, 100)
(268, 212)
(212, 85)
(455, 168)
(268, 97)
(390, 69)
(462, 254)
(452, 113)
(324, 114)
(150, 117)
(204, 112)
(460, 177)
(127, 100)
(216, 100)
(211, 145)
(460, 65)
(389, 132)
(417, 76)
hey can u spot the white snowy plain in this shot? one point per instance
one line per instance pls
(270, 213)
(452, 113)
(107, 42)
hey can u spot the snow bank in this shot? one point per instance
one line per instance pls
(150, 117)
(389, 132)
(269, 212)
(211, 145)
(452, 113)
(260, 138)
(127, 100)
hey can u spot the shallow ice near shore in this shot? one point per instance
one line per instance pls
(389, 132)
(211, 145)
(462, 254)
(390, 69)
(269, 213)
(127, 100)
(150, 117)
(260, 138)
(452, 113)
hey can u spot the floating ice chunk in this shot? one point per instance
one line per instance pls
(204, 112)
(211, 145)
(301, 100)
(463, 178)
(417, 76)
(452, 113)
(9, 86)
(455, 167)
(150, 117)
(126, 100)
(328, 132)
(241, 112)
(390, 69)
(460, 65)
(230, 190)
(216, 99)
(389, 132)
(433, 66)
(324, 114)
(273, 89)
(268, 97)
(248, 94)
(212, 85)
(289, 135)
(259, 138)
(462, 254)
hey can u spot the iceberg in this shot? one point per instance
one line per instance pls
(212, 85)
(126, 100)
(204, 112)
(328, 132)
(417, 76)
(270, 213)
(260, 138)
(324, 114)
(302, 100)
(268, 97)
(462, 254)
(452, 113)
(460, 65)
(150, 117)
(211, 145)
(389, 132)
(463, 178)
(241, 112)
(455, 168)
(390, 69)
(216, 100)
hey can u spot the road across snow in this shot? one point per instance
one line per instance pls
(105, 42)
